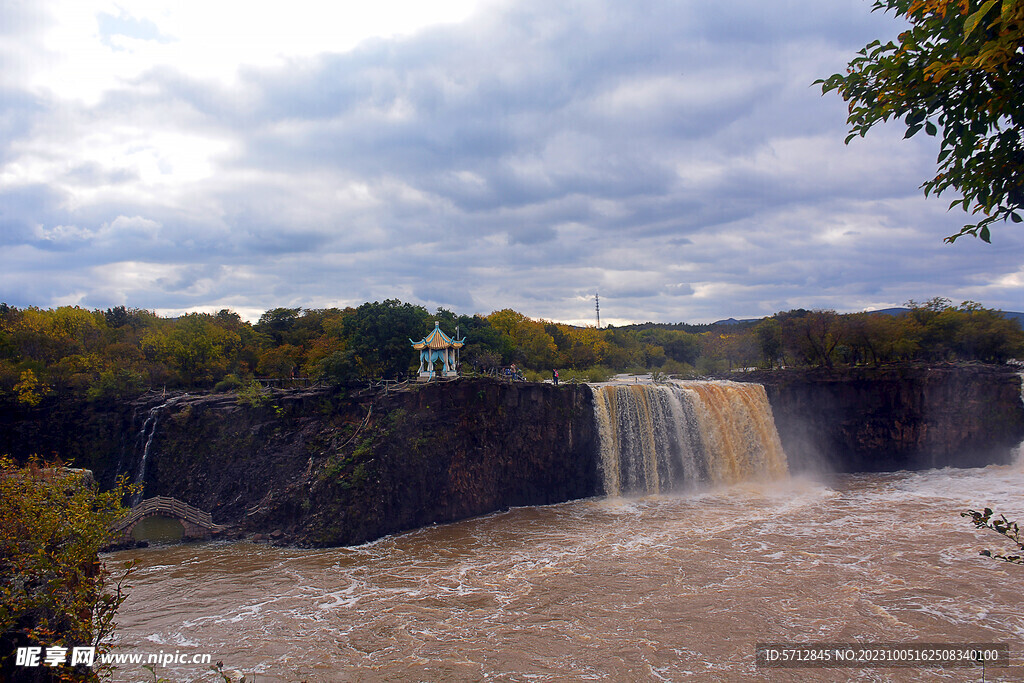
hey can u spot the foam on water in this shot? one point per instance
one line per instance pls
(613, 589)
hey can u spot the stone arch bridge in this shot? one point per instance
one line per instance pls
(197, 524)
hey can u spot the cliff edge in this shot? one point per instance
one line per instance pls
(905, 417)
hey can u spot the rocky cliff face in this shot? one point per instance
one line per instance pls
(905, 417)
(347, 465)
(329, 468)
(79, 433)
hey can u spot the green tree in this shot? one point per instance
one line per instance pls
(623, 349)
(879, 337)
(377, 335)
(53, 590)
(985, 335)
(486, 347)
(811, 336)
(279, 361)
(534, 347)
(958, 70)
(524, 341)
(677, 345)
(768, 334)
(196, 346)
(29, 390)
(277, 323)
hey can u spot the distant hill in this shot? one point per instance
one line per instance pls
(1010, 315)
(890, 311)
(729, 322)
(734, 321)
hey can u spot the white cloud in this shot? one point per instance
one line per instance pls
(213, 40)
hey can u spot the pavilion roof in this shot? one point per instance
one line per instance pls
(437, 340)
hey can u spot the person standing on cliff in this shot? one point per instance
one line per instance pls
(554, 376)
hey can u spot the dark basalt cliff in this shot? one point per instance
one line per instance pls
(83, 434)
(894, 418)
(350, 464)
(326, 468)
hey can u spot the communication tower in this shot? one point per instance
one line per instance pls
(597, 307)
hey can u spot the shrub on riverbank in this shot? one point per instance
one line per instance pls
(54, 591)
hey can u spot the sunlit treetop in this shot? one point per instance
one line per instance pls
(958, 72)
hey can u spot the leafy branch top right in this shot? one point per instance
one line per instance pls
(958, 73)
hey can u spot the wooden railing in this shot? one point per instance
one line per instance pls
(287, 382)
(168, 507)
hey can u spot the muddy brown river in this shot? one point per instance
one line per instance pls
(652, 588)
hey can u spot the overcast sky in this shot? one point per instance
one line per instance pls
(178, 155)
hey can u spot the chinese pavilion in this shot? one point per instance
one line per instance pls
(438, 347)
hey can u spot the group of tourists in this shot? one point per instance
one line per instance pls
(513, 373)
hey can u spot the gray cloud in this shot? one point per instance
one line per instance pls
(673, 155)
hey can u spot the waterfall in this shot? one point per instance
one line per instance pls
(145, 439)
(662, 437)
(1018, 456)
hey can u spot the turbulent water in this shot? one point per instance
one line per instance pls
(661, 587)
(657, 438)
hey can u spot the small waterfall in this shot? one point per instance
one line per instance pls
(662, 437)
(145, 440)
(1018, 457)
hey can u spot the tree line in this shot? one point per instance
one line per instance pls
(120, 352)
